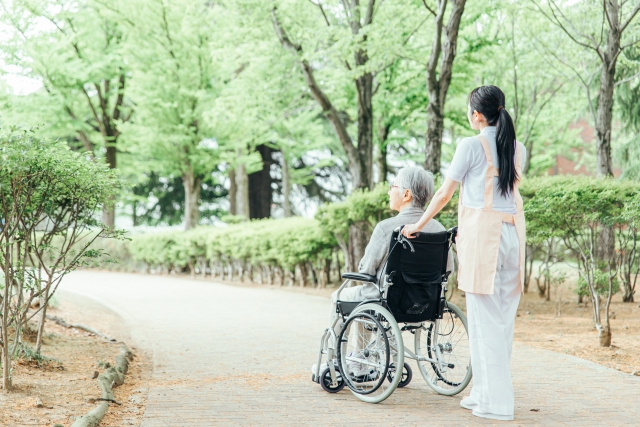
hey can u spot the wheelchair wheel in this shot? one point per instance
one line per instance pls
(407, 375)
(325, 381)
(449, 344)
(368, 345)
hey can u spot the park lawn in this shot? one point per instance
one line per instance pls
(64, 385)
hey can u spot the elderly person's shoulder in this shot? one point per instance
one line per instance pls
(388, 225)
(433, 226)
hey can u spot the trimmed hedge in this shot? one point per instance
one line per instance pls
(269, 251)
(307, 250)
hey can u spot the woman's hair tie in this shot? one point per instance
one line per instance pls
(500, 107)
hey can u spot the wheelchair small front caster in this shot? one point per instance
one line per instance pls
(407, 374)
(325, 381)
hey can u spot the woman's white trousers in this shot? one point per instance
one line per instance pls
(491, 320)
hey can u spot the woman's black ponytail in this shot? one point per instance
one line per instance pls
(489, 101)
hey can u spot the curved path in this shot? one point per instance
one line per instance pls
(231, 355)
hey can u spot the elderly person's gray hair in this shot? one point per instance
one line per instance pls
(419, 182)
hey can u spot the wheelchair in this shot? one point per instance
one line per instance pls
(368, 354)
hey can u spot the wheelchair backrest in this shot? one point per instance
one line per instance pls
(416, 269)
(424, 256)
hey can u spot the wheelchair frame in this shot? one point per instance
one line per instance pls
(329, 340)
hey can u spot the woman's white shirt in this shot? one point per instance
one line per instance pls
(469, 166)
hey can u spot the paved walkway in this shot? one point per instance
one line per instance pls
(227, 355)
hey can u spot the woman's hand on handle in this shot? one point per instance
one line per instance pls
(439, 201)
(410, 231)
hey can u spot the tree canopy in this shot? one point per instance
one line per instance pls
(259, 109)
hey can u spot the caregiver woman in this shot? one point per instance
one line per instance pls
(490, 246)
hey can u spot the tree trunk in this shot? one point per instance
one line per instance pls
(260, 192)
(605, 94)
(192, 188)
(109, 210)
(338, 268)
(629, 278)
(134, 213)
(242, 195)
(327, 270)
(302, 268)
(286, 185)
(321, 278)
(240, 270)
(6, 366)
(364, 85)
(249, 271)
(6, 357)
(604, 336)
(439, 74)
(291, 276)
(433, 148)
(233, 190)
(43, 318)
(314, 275)
(528, 266)
(381, 159)
(358, 239)
(527, 159)
(360, 156)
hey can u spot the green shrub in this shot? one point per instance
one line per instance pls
(50, 197)
(363, 208)
(591, 218)
(283, 243)
(601, 282)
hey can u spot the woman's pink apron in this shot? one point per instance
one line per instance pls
(479, 232)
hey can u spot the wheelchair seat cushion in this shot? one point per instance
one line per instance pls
(346, 307)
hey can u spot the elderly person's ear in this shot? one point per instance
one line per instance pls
(407, 196)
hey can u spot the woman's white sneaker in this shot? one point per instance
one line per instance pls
(492, 416)
(468, 403)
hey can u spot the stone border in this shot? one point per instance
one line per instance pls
(61, 322)
(113, 376)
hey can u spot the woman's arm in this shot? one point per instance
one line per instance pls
(439, 201)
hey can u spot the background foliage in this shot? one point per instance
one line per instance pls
(185, 93)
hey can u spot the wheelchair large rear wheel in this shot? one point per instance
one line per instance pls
(452, 342)
(368, 345)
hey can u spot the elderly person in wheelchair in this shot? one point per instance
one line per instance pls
(409, 194)
(364, 340)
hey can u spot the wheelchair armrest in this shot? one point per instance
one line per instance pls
(360, 277)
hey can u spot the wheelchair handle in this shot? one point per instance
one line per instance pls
(454, 233)
(401, 239)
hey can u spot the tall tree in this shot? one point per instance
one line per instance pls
(607, 39)
(358, 44)
(360, 156)
(539, 99)
(628, 99)
(172, 48)
(439, 73)
(75, 50)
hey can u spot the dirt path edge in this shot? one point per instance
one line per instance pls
(113, 376)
